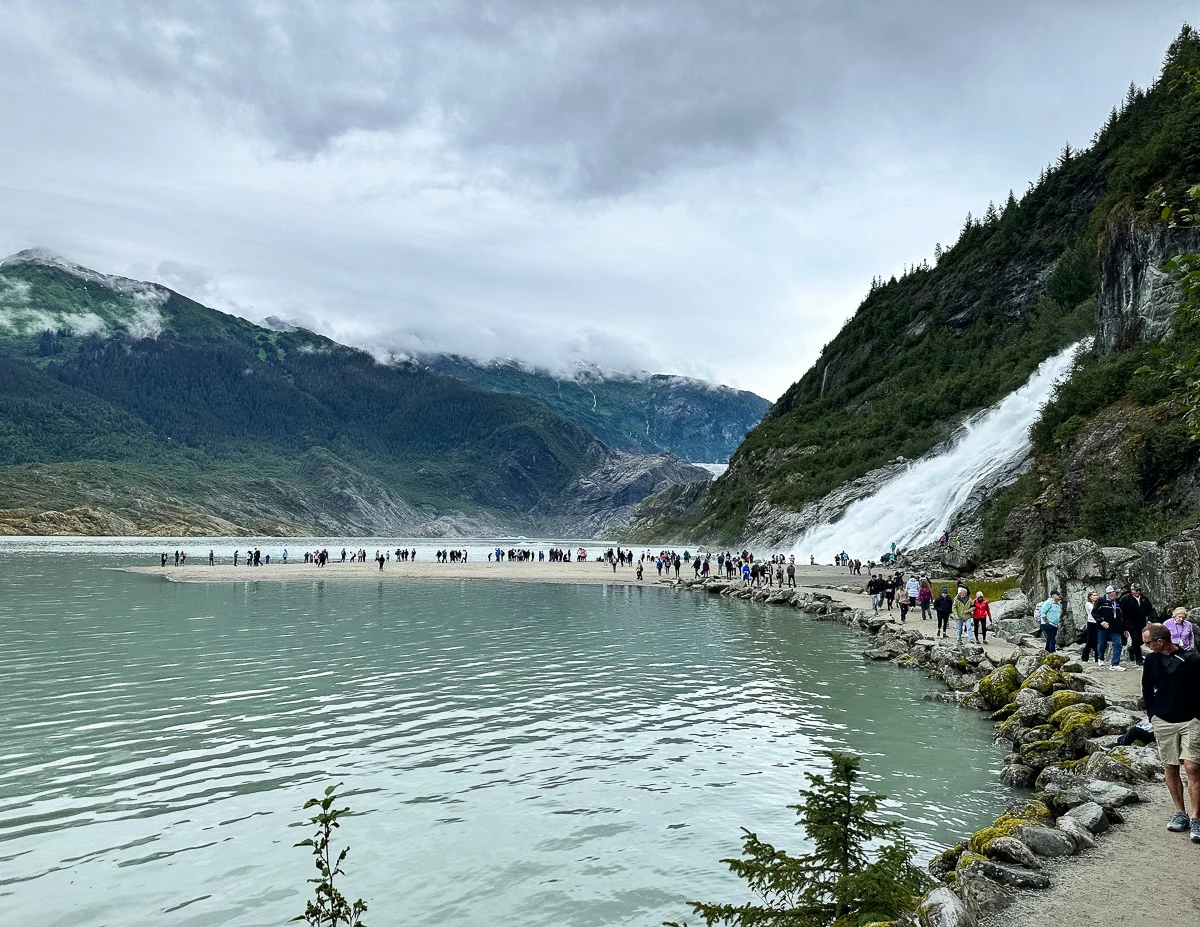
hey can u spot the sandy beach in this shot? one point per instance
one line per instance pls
(587, 573)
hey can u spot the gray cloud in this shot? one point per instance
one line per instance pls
(683, 186)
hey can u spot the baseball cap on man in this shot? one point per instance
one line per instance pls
(1055, 592)
(1110, 589)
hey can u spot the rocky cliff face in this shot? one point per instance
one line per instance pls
(1169, 573)
(607, 498)
(1137, 297)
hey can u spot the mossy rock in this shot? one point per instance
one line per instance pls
(1038, 732)
(1003, 714)
(1066, 697)
(1043, 753)
(999, 686)
(1027, 812)
(1063, 698)
(943, 863)
(1054, 660)
(1076, 723)
(968, 857)
(1044, 679)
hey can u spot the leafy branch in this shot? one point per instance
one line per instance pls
(329, 908)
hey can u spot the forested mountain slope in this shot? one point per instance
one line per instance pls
(642, 413)
(134, 399)
(954, 336)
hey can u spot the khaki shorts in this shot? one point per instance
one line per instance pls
(1177, 741)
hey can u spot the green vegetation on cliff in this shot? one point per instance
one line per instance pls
(948, 339)
(642, 414)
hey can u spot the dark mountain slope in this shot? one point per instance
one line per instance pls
(260, 428)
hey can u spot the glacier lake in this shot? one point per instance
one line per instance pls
(512, 753)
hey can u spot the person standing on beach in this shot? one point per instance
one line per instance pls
(961, 607)
(1112, 628)
(981, 614)
(211, 559)
(791, 574)
(1180, 627)
(943, 605)
(1136, 611)
(1090, 644)
(1051, 612)
(1171, 690)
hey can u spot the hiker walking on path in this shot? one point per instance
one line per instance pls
(943, 605)
(1171, 689)
(925, 599)
(961, 607)
(981, 614)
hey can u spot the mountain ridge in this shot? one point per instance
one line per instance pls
(118, 391)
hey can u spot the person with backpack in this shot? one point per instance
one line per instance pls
(1050, 613)
(943, 605)
(981, 614)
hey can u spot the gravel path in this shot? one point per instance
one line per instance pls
(1140, 875)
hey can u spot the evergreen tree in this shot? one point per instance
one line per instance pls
(937, 252)
(1010, 204)
(1066, 155)
(1131, 96)
(838, 883)
(990, 217)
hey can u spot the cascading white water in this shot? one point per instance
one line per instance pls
(916, 506)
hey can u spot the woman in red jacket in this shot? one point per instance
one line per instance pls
(981, 614)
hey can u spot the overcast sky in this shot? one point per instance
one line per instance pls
(690, 187)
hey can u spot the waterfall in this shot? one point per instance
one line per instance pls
(916, 505)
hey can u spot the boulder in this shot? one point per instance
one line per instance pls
(1078, 833)
(1012, 850)
(1018, 775)
(1046, 841)
(1144, 760)
(999, 686)
(942, 908)
(1114, 721)
(1075, 723)
(943, 864)
(1108, 795)
(1089, 815)
(1041, 753)
(1002, 874)
(1044, 679)
(1065, 697)
(1026, 664)
(1110, 768)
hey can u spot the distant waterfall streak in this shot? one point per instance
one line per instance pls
(917, 505)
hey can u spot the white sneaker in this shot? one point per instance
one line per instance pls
(1117, 669)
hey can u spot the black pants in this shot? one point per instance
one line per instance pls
(980, 625)
(1135, 736)
(943, 622)
(903, 612)
(1135, 642)
(1089, 644)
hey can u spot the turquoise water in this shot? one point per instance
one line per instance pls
(513, 753)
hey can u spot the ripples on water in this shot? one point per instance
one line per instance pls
(513, 754)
